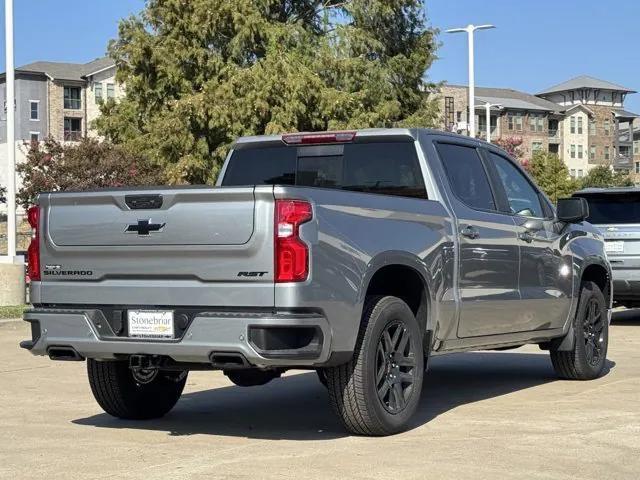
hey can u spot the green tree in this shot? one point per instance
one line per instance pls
(551, 175)
(604, 176)
(199, 73)
(52, 166)
(3, 195)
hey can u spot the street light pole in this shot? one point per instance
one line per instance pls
(470, 29)
(11, 146)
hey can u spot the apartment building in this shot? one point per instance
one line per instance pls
(583, 120)
(512, 114)
(56, 99)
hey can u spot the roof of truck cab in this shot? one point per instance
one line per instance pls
(367, 132)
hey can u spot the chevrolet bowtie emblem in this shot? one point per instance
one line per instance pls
(144, 227)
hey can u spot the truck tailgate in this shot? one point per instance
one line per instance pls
(180, 246)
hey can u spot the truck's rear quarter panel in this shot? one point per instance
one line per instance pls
(355, 234)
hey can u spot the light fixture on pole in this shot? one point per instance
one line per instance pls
(470, 29)
(488, 106)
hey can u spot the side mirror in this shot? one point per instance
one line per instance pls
(572, 210)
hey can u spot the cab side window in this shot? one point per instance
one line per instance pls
(467, 176)
(523, 198)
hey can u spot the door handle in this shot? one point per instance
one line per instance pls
(527, 236)
(470, 231)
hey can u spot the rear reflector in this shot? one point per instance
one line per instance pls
(33, 252)
(291, 253)
(315, 138)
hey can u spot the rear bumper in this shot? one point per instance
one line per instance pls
(87, 332)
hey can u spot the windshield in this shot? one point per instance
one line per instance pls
(613, 208)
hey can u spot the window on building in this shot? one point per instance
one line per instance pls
(606, 152)
(592, 152)
(579, 151)
(34, 106)
(573, 151)
(34, 136)
(573, 124)
(636, 147)
(580, 174)
(97, 92)
(459, 116)
(607, 127)
(448, 112)
(572, 173)
(111, 91)
(72, 99)
(536, 122)
(580, 125)
(72, 129)
(515, 122)
(536, 146)
(592, 127)
(637, 165)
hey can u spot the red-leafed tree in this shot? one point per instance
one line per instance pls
(52, 166)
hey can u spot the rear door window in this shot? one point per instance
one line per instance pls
(388, 168)
(467, 176)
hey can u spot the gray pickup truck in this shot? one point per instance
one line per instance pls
(356, 254)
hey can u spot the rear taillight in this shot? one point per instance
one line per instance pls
(33, 253)
(291, 253)
(319, 137)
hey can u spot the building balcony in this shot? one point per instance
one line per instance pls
(71, 136)
(554, 135)
(623, 162)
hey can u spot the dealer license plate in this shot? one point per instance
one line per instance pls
(614, 247)
(150, 323)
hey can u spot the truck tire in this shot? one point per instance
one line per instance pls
(587, 359)
(378, 391)
(121, 395)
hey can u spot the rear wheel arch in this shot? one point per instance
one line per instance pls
(404, 281)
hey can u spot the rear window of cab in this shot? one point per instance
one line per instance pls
(388, 168)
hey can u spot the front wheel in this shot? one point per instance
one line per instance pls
(378, 391)
(587, 359)
(130, 395)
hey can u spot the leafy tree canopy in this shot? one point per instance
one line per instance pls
(51, 166)
(604, 176)
(199, 73)
(511, 145)
(551, 175)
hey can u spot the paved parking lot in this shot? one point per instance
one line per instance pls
(483, 415)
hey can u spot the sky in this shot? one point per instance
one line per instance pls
(537, 43)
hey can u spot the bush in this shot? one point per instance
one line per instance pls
(551, 175)
(51, 166)
(603, 176)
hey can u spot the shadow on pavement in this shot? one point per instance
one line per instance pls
(629, 317)
(297, 407)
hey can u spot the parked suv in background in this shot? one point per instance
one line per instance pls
(356, 254)
(616, 213)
